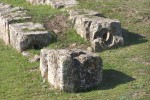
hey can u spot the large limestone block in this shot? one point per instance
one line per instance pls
(71, 70)
(28, 35)
(8, 15)
(103, 33)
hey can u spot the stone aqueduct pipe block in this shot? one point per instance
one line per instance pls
(71, 70)
(28, 35)
(103, 33)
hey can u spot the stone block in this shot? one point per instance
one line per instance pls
(71, 70)
(55, 3)
(28, 35)
(93, 26)
(8, 15)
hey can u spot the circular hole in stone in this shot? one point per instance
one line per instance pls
(105, 35)
(108, 38)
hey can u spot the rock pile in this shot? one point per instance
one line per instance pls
(103, 33)
(15, 30)
(71, 70)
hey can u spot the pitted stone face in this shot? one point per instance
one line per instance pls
(103, 33)
(71, 70)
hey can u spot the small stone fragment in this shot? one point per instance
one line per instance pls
(36, 58)
(26, 54)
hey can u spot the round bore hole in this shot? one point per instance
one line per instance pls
(108, 38)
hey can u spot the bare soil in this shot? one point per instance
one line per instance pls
(58, 24)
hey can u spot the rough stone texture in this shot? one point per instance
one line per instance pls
(28, 35)
(71, 70)
(103, 33)
(8, 15)
(55, 3)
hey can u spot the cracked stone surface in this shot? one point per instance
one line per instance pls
(55, 3)
(28, 35)
(71, 70)
(103, 33)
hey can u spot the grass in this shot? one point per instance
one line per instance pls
(126, 69)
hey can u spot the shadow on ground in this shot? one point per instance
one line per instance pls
(111, 79)
(131, 38)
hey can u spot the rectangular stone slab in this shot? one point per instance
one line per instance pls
(28, 35)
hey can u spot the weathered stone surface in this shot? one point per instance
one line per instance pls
(71, 70)
(55, 3)
(9, 14)
(28, 35)
(103, 33)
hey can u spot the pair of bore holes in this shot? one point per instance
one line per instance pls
(106, 36)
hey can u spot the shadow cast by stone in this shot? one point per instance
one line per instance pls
(131, 38)
(111, 78)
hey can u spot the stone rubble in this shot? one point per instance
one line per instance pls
(55, 3)
(15, 29)
(103, 33)
(71, 70)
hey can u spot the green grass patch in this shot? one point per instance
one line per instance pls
(69, 38)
